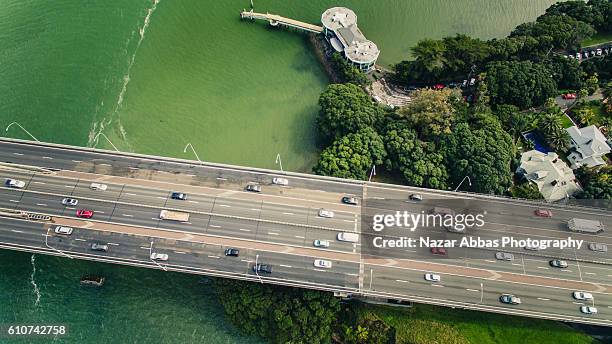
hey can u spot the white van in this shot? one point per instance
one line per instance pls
(350, 237)
(98, 186)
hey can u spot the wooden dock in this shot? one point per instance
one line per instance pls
(276, 20)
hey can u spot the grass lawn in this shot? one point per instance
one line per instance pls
(566, 122)
(598, 39)
(425, 324)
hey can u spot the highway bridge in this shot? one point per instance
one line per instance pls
(278, 226)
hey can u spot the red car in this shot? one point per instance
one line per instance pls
(86, 214)
(543, 213)
(569, 96)
(441, 251)
(438, 86)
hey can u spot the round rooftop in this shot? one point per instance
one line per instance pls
(362, 52)
(337, 17)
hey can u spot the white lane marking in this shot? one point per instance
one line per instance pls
(320, 270)
(156, 218)
(12, 200)
(224, 205)
(41, 204)
(106, 165)
(77, 161)
(490, 261)
(354, 274)
(144, 248)
(437, 285)
(160, 197)
(70, 208)
(285, 266)
(376, 197)
(193, 201)
(180, 252)
(590, 273)
(67, 186)
(100, 212)
(272, 233)
(47, 157)
(219, 178)
(215, 226)
(214, 257)
(473, 290)
(133, 168)
(20, 154)
(254, 209)
(578, 303)
(609, 306)
(16, 231)
(348, 221)
(39, 183)
(79, 239)
(288, 213)
(516, 264)
(131, 194)
(246, 260)
(565, 270)
(190, 175)
(299, 237)
(543, 299)
(112, 243)
(128, 215)
(542, 267)
(244, 230)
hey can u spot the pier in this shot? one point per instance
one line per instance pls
(276, 20)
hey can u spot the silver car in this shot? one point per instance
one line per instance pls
(70, 201)
(597, 247)
(504, 256)
(321, 243)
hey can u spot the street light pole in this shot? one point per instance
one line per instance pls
(372, 173)
(107, 140)
(279, 161)
(256, 268)
(462, 180)
(22, 128)
(153, 260)
(481, 292)
(193, 150)
(53, 248)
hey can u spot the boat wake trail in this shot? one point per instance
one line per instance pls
(115, 115)
(33, 282)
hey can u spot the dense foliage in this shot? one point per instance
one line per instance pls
(348, 72)
(597, 183)
(431, 112)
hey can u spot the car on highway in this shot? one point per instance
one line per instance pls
(320, 243)
(99, 247)
(280, 181)
(14, 183)
(232, 252)
(159, 256)
(178, 196)
(253, 188)
(532, 247)
(583, 296)
(504, 256)
(63, 230)
(322, 263)
(349, 200)
(597, 247)
(98, 186)
(568, 96)
(70, 201)
(265, 268)
(432, 277)
(348, 237)
(84, 213)
(439, 251)
(588, 309)
(543, 213)
(416, 197)
(326, 213)
(558, 263)
(510, 299)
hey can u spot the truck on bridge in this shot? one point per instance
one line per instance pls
(585, 226)
(174, 215)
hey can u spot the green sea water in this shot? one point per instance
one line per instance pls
(155, 75)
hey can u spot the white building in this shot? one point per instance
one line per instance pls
(554, 178)
(588, 147)
(340, 29)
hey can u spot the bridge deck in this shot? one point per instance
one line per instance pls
(274, 18)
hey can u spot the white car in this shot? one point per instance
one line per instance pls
(322, 263)
(588, 310)
(98, 186)
(70, 201)
(321, 243)
(348, 237)
(580, 295)
(14, 183)
(280, 181)
(432, 277)
(326, 213)
(63, 230)
(159, 256)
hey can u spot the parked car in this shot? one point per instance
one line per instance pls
(63, 230)
(178, 196)
(70, 201)
(321, 243)
(98, 186)
(349, 200)
(583, 296)
(280, 181)
(416, 197)
(510, 299)
(159, 256)
(439, 251)
(432, 277)
(326, 213)
(14, 183)
(588, 309)
(543, 213)
(232, 252)
(597, 247)
(99, 247)
(569, 96)
(265, 268)
(253, 188)
(438, 86)
(322, 263)
(86, 214)
(504, 256)
(558, 263)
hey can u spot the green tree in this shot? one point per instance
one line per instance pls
(592, 83)
(597, 183)
(462, 52)
(586, 116)
(346, 108)
(348, 72)
(565, 71)
(431, 112)
(352, 156)
(523, 83)
(556, 31)
(526, 191)
(429, 60)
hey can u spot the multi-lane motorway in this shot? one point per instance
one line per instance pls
(278, 227)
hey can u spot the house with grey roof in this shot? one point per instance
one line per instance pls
(554, 179)
(588, 147)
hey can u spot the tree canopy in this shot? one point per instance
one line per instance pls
(431, 112)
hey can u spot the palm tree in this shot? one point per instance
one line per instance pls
(429, 57)
(586, 116)
(559, 139)
(549, 122)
